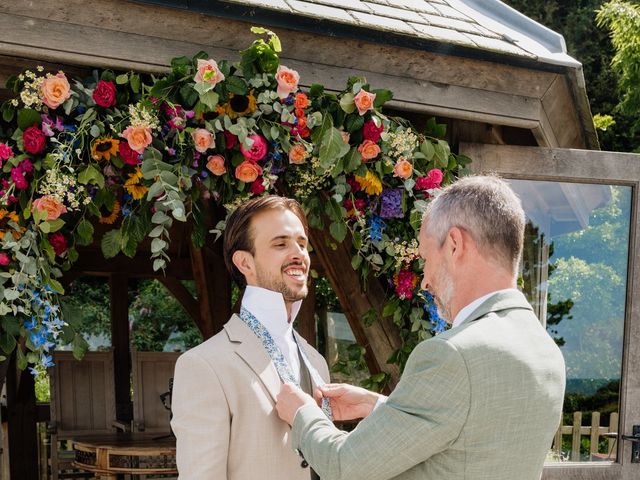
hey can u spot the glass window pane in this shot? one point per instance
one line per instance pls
(575, 275)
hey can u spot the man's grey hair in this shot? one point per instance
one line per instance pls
(488, 209)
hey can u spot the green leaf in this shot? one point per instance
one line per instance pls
(427, 149)
(236, 85)
(91, 175)
(111, 243)
(353, 160)
(80, 347)
(135, 83)
(7, 342)
(55, 225)
(353, 123)
(21, 360)
(210, 99)
(122, 79)
(338, 231)
(382, 96)
(85, 233)
(189, 95)
(356, 261)
(56, 286)
(332, 148)
(316, 90)
(326, 125)
(8, 111)
(27, 117)
(347, 104)
(390, 307)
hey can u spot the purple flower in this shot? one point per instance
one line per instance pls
(391, 203)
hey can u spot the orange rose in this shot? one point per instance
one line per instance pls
(287, 81)
(138, 137)
(364, 101)
(369, 150)
(203, 139)
(55, 90)
(302, 101)
(403, 169)
(297, 154)
(302, 123)
(215, 164)
(50, 205)
(248, 171)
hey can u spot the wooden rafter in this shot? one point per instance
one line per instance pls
(183, 296)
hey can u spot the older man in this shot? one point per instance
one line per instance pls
(480, 401)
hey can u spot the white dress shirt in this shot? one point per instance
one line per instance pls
(468, 310)
(269, 308)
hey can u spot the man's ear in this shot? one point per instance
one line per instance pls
(456, 239)
(243, 261)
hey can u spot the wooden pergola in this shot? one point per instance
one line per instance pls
(492, 76)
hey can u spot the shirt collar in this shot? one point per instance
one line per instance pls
(468, 310)
(269, 308)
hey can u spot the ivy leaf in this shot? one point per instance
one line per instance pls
(236, 85)
(80, 346)
(382, 96)
(111, 243)
(338, 231)
(85, 233)
(210, 99)
(347, 103)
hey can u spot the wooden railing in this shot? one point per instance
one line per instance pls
(594, 432)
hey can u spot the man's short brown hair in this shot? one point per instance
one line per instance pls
(238, 234)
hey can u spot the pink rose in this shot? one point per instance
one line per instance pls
(58, 242)
(364, 101)
(208, 72)
(203, 139)
(432, 180)
(50, 205)
(55, 90)
(371, 132)
(34, 140)
(5, 152)
(248, 171)
(257, 150)
(403, 169)
(105, 94)
(4, 259)
(127, 155)
(138, 137)
(287, 81)
(215, 164)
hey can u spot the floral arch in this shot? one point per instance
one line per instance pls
(138, 153)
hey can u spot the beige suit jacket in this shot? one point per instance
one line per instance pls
(224, 415)
(479, 402)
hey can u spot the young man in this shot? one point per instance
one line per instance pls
(479, 402)
(224, 391)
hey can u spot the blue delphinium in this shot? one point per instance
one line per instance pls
(376, 226)
(438, 323)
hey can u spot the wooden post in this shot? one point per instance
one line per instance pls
(380, 339)
(595, 434)
(306, 320)
(119, 300)
(612, 441)
(575, 440)
(21, 418)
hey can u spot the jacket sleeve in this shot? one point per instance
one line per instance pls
(201, 420)
(422, 416)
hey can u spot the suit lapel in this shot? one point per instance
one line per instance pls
(500, 301)
(250, 350)
(304, 346)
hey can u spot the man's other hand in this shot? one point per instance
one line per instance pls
(289, 400)
(349, 402)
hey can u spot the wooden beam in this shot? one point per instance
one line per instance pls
(380, 339)
(306, 320)
(204, 288)
(183, 296)
(119, 300)
(21, 418)
(92, 262)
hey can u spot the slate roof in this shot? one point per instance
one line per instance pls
(485, 25)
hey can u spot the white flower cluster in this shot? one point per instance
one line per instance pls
(30, 94)
(405, 252)
(139, 116)
(235, 203)
(402, 143)
(307, 182)
(64, 188)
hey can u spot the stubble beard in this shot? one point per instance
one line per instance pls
(275, 284)
(443, 297)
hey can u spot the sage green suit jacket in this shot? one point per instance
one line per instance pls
(480, 401)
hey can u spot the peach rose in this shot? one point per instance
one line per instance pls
(368, 150)
(364, 101)
(248, 171)
(208, 72)
(55, 90)
(138, 137)
(215, 164)
(203, 139)
(50, 205)
(287, 81)
(403, 169)
(297, 154)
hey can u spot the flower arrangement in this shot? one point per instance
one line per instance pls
(137, 153)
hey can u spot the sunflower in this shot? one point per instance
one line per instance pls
(5, 217)
(370, 183)
(132, 185)
(238, 105)
(104, 148)
(109, 219)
